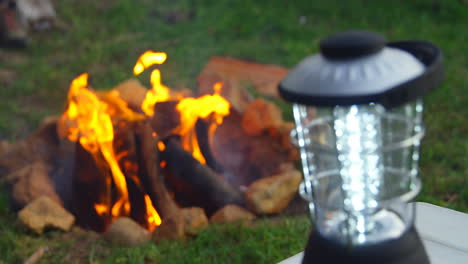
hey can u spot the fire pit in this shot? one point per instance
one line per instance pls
(148, 154)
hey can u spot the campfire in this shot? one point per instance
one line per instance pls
(148, 154)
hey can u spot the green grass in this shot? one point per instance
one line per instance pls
(265, 242)
(105, 37)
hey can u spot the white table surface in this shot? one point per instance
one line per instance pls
(444, 233)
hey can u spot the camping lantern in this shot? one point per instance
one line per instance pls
(358, 112)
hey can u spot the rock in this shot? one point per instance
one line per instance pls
(273, 194)
(238, 97)
(238, 74)
(231, 213)
(245, 158)
(194, 219)
(43, 213)
(259, 116)
(133, 92)
(4, 147)
(30, 183)
(172, 228)
(42, 145)
(282, 134)
(126, 233)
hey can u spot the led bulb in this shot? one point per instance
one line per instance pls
(358, 141)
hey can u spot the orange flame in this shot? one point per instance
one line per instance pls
(91, 116)
(159, 92)
(89, 122)
(153, 217)
(213, 107)
(148, 59)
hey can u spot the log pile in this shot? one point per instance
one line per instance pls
(249, 160)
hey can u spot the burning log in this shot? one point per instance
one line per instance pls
(148, 158)
(90, 186)
(202, 131)
(196, 182)
(126, 149)
(166, 118)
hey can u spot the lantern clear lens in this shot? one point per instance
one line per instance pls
(360, 169)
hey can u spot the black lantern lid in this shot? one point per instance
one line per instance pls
(359, 67)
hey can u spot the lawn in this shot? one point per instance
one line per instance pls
(104, 38)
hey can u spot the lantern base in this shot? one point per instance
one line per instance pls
(408, 249)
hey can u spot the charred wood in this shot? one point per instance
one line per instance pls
(150, 175)
(126, 151)
(91, 185)
(202, 131)
(196, 182)
(165, 119)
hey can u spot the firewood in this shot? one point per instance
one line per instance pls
(165, 119)
(148, 162)
(201, 128)
(127, 151)
(90, 186)
(196, 182)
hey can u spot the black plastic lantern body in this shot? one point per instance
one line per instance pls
(358, 112)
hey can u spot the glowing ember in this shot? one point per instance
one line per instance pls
(161, 146)
(101, 209)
